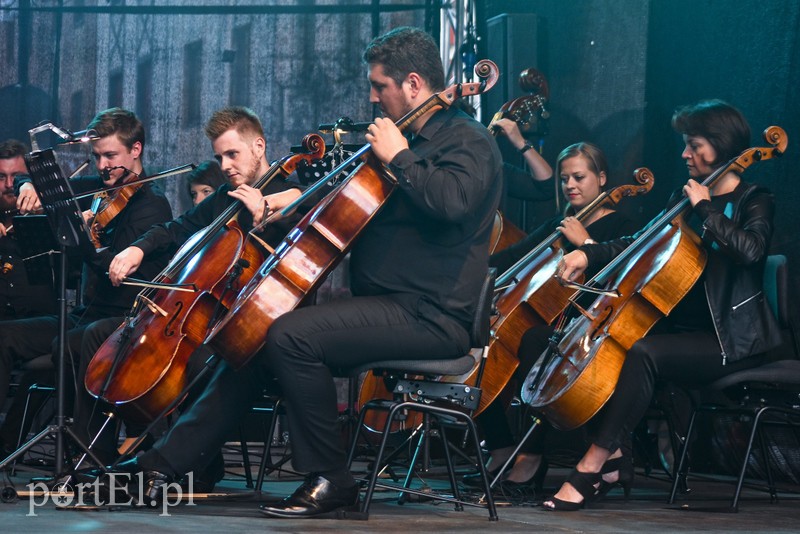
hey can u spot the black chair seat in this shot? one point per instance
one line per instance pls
(454, 366)
(779, 373)
(424, 392)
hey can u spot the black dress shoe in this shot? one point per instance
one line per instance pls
(318, 496)
(146, 486)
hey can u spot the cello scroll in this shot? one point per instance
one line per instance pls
(645, 179)
(314, 146)
(775, 136)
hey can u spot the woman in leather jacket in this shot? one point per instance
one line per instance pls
(721, 326)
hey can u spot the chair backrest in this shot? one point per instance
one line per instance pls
(481, 327)
(776, 287)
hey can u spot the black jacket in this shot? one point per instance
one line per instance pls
(737, 249)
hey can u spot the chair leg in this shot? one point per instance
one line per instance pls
(361, 433)
(490, 504)
(747, 452)
(373, 478)
(679, 465)
(354, 441)
(482, 466)
(267, 455)
(33, 388)
(248, 476)
(762, 443)
(451, 471)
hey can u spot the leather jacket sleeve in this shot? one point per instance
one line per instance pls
(746, 240)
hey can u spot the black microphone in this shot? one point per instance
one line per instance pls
(344, 124)
(81, 136)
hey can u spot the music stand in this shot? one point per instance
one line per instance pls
(66, 228)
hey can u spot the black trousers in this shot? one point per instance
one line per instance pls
(305, 349)
(89, 417)
(24, 340)
(688, 359)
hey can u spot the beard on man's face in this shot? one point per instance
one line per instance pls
(8, 200)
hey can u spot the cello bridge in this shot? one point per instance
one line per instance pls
(152, 306)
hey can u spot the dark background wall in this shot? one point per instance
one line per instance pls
(618, 69)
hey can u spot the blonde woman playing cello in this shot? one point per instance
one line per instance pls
(583, 172)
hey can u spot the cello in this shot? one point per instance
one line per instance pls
(529, 296)
(321, 239)
(639, 287)
(504, 233)
(141, 366)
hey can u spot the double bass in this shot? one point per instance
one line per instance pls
(640, 286)
(141, 366)
(321, 239)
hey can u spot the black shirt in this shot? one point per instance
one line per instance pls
(431, 237)
(143, 210)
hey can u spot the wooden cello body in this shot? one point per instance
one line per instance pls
(141, 367)
(594, 350)
(504, 233)
(300, 263)
(641, 285)
(313, 248)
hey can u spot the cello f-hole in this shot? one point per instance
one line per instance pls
(168, 330)
(603, 316)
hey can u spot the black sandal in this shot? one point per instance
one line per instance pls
(625, 468)
(584, 483)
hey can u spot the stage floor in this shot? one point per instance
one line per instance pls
(235, 509)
